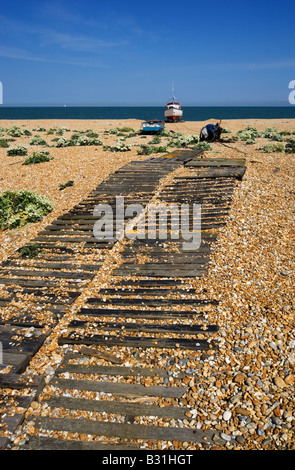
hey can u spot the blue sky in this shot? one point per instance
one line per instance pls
(109, 53)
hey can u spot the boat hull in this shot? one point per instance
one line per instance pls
(173, 114)
(153, 126)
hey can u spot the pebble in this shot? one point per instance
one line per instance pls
(277, 421)
(226, 415)
(279, 382)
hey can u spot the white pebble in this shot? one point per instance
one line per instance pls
(226, 415)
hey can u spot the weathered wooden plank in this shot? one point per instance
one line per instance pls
(56, 274)
(124, 431)
(154, 272)
(216, 162)
(11, 281)
(20, 381)
(155, 291)
(125, 408)
(149, 314)
(37, 263)
(113, 370)
(18, 361)
(53, 443)
(9, 423)
(138, 342)
(186, 329)
(227, 172)
(119, 388)
(160, 302)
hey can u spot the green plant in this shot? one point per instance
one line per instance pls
(91, 133)
(202, 146)
(66, 185)
(18, 208)
(4, 142)
(120, 146)
(180, 140)
(15, 131)
(290, 145)
(63, 142)
(30, 251)
(155, 140)
(84, 140)
(270, 148)
(38, 157)
(249, 134)
(18, 150)
(149, 149)
(37, 140)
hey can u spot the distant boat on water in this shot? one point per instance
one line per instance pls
(154, 125)
(173, 110)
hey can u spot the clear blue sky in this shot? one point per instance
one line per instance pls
(108, 52)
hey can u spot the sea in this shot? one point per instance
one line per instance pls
(190, 113)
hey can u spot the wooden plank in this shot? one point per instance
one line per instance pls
(4, 441)
(18, 361)
(138, 342)
(158, 272)
(123, 371)
(15, 339)
(119, 388)
(227, 172)
(149, 314)
(215, 162)
(160, 302)
(9, 423)
(20, 381)
(154, 291)
(53, 443)
(186, 329)
(122, 430)
(122, 408)
(37, 263)
(103, 355)
(56, 274)
(11, 281)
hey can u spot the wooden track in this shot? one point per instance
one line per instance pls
(165, 315)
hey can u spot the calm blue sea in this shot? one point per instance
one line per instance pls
(190, 113)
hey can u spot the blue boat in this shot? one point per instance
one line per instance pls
(155, 125)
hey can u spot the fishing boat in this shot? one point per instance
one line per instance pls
(154, 125)
(173, 110)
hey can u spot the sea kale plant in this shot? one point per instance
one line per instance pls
(4, 142)
(37, 140)
(290, 145)
(19, 207)
(17, 150)
(120, 146)
(38, 157)
(273, 148)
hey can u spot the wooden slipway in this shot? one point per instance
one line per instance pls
(150, 292)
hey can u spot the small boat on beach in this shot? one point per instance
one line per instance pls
(173, 110)
(154, 125)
